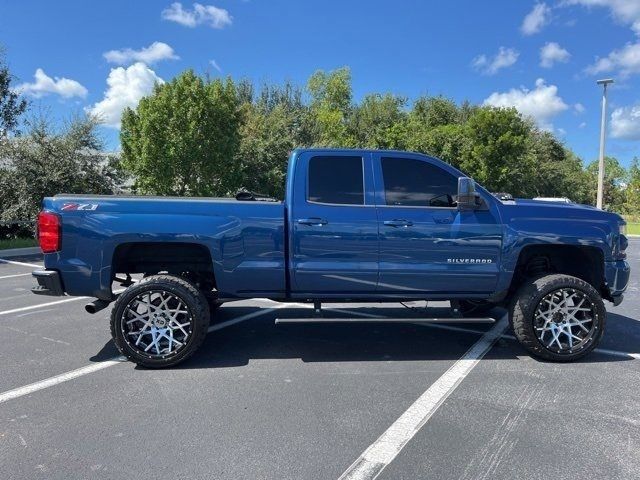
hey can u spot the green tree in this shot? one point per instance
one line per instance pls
(615, 177)
(379, 122)
(498, 156)
(632, 192)
(434, 127)
(330, 108)
(182, 139)
(558, 172)
(271, 127)
(12, 106)
(45, 162)
(433, 112)
(446, 142)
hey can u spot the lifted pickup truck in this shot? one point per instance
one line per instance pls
(356, 225)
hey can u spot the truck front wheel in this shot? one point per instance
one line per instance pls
(558, 317)
(160, 321)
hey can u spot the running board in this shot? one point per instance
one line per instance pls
(384, 320)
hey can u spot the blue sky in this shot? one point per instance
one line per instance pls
(542, 57)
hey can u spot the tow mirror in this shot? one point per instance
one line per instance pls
(467, 195)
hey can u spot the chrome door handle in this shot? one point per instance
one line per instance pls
(398, 223)
(313, 222)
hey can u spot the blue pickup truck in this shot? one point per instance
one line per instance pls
(355, 225)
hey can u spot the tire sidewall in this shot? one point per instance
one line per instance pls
(197, 307)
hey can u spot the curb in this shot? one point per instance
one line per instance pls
(20, 252)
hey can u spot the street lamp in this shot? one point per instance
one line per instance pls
(603, 129)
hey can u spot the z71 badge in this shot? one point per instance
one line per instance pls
(70, 207)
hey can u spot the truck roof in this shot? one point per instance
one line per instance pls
(354, 150)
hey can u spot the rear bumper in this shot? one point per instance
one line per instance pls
(617, 274)
(49, 283)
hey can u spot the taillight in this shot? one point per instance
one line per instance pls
(49, 232)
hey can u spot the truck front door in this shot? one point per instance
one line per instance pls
(334, 226)
(426, 244)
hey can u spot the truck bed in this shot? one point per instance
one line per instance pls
(244, 238)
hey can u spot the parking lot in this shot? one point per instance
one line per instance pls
(309, 401)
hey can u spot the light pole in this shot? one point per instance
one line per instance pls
(603, 130)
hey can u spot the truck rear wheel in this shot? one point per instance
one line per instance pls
(558, 317)
(160, 321)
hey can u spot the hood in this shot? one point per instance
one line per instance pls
(559, 209)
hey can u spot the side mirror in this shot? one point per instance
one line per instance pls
(467, 195)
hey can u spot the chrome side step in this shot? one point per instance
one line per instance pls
(384, 320)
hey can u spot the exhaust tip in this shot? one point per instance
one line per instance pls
(96, 306)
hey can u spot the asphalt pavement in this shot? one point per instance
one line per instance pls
(310, 401)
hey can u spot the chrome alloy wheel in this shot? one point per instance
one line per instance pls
(564, 321)
(157, 324)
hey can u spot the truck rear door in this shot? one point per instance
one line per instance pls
(334, 226)
(426, 244)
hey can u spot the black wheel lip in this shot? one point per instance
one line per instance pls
(135, 350)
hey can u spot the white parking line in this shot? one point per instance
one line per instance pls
(33, 307)
(604, 351)
(453, 328)
(16, 275)
(65, 377)
(248, 316)
(13, 262)
(382, 452)
(616, 353)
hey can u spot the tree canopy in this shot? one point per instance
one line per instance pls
(182, 139)
(197, 136)
(12, 106)
(45, 162)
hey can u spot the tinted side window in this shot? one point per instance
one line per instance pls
(413, 182)
(336, 180)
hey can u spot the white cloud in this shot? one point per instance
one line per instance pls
(625, 123)
(626, 61)
(542, 103)
(624, 11)
(208, 15)
(44, 85)
(125, 88)
(215, 65)
(153, 53)
(536, 19)
(582, 125)
(490, 66)
(553, 53)
(579, 108)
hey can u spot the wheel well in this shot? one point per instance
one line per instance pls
(586, 263)
(187, 259)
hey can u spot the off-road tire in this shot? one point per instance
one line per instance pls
(179, 287)
(525, 302)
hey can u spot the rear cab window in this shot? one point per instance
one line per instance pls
(410, 182)
(336, 180)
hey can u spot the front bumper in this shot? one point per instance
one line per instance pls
(617, 274)
(49, 283)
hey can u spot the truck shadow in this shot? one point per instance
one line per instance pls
(260, 338)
